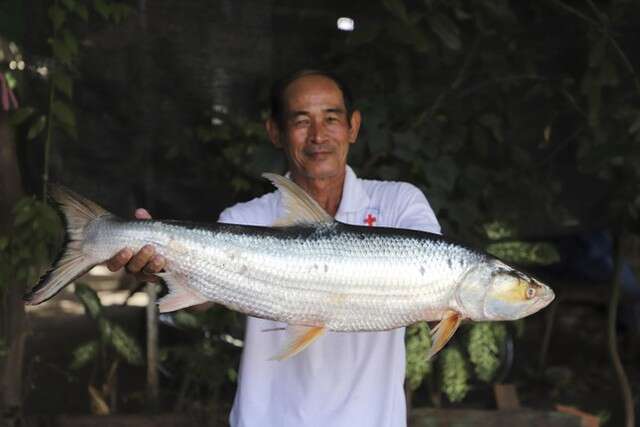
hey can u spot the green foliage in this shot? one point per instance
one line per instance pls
(485, 342)
(455, 377)
(524, 253)
(84, 353)
(111, 335)
(206, 363)
(418, 342)
(30, 244)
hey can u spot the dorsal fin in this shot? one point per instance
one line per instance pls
(299, 207)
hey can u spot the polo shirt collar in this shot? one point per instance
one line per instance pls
(354, 197)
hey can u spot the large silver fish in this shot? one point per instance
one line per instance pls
(310, 271)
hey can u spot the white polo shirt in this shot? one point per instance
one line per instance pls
(344, 378)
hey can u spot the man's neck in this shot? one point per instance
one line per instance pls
(326, 191)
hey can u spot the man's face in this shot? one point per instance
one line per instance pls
(316, 132)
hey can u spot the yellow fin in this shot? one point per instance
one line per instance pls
(301, 338)
(444, 330)
(300, 208)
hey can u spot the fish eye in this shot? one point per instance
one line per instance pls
(531, 292)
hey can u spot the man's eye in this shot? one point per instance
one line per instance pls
(332, 119)
(301, 122)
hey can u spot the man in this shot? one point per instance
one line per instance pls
(343, 379)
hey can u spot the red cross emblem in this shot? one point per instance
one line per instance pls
(369, 220)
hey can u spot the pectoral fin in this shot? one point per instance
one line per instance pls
(179, 296)
(301, 338)
(443, 331)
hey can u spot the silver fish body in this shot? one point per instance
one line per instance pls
(310, 270)
(344, 277)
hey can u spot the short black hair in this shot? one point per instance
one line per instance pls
(280, 86)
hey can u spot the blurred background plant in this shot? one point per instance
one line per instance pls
(112, 346)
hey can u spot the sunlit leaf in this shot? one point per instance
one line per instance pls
(84, 354)
(63, 112)
(455, 378)
(37, 127)
(20, 115)
(525, 253)
(418, 342)
(485, 341)
(185, 319)
(89, 299)
(126, 346)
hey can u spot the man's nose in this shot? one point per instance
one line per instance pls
(317, 132)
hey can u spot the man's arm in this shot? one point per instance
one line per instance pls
(143, 264)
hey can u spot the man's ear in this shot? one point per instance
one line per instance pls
(273, 130)
(354, 128)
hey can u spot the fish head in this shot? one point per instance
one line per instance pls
(496, 291)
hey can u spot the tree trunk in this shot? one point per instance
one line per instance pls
(13, 327)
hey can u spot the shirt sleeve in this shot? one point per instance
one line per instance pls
(414, 211)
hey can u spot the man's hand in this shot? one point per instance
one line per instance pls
(144, 264)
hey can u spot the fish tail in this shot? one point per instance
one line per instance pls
(71, 262)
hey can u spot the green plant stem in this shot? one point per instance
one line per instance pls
(623, 382)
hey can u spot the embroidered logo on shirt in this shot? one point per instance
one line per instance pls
(370, 219)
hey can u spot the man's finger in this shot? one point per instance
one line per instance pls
(141, 259)
(119, 260)
(155, 265)
(142, 214)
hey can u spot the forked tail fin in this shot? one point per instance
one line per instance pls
(71, 262)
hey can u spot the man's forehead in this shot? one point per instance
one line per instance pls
(313, 90)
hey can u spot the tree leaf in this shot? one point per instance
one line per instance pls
(84, 354)
(63, 83)
(57, 15)
(36, 128)
(62, 111)
(446, 30)
(89, 299)
(126, 346)
(102, 8)
(71, 42)
(20, 115)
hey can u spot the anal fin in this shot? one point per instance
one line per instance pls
(179, 296)
(443, 331)
(301, 338)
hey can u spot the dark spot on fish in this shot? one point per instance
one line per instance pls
(243, 269)
(449, 263)
(422, 270)
(326, 268)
